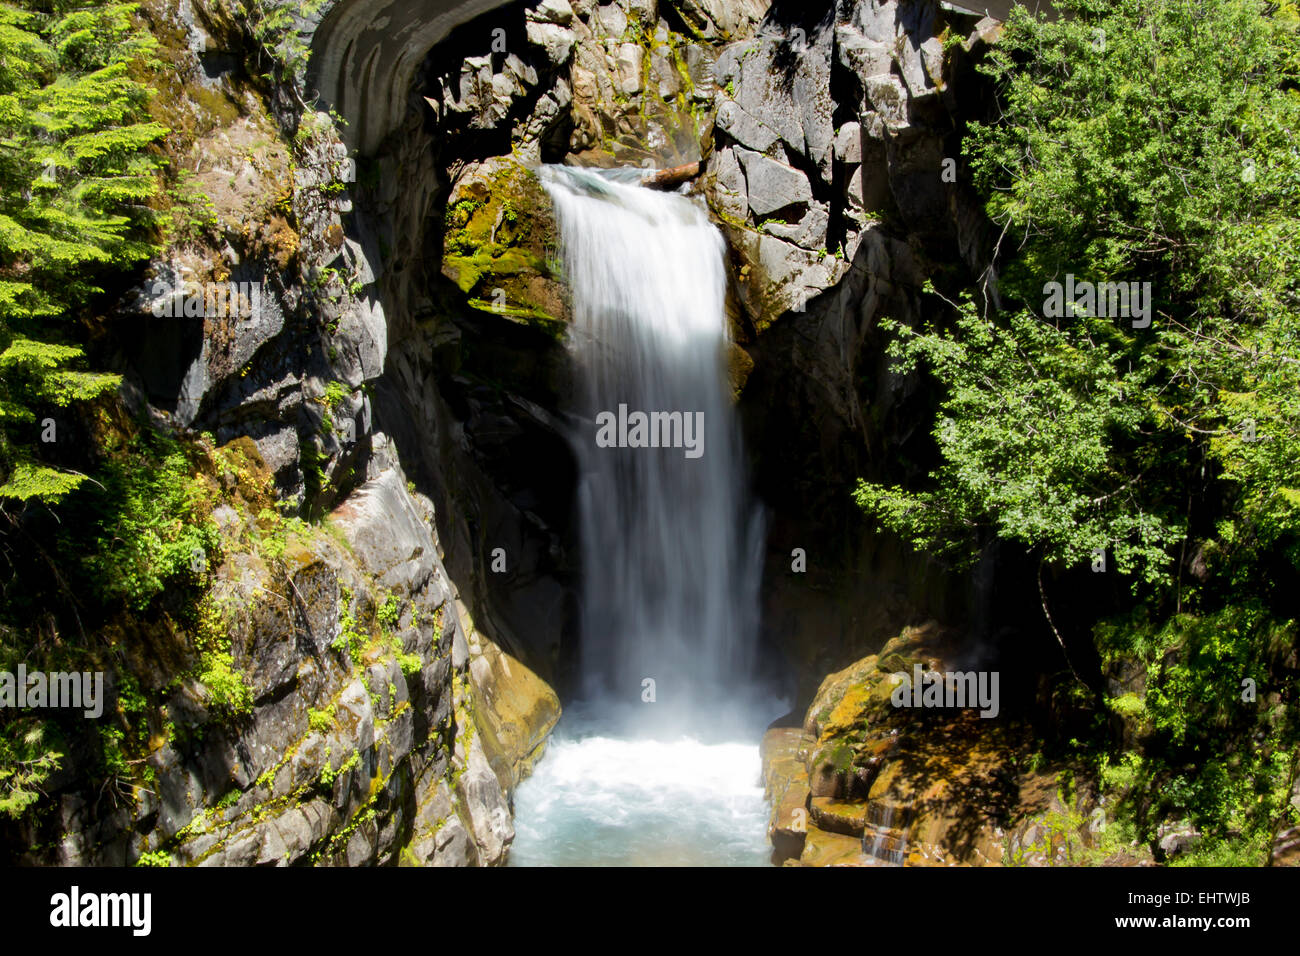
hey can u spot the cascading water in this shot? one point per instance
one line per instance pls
(658, 763)
(669, 549)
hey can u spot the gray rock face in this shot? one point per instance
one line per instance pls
(722, 19)
(809, 232)
(489, 812)
(848, 144)
(553, 38)
(628, 65)
(770, 185)
(791, 275)
(730, 189)
(776, 101)
(346, 737)
(874, 218)
(387, 534)
(860, 54)
(777, 123)
(744, 127)
(362, 50)
(612, 19)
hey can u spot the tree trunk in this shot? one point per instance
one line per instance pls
(671, 178)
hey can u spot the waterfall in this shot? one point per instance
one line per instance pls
(670, 539)
(657, 763)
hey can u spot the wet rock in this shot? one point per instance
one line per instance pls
(499, 240)
(517, 711)
(940, 788)
(486, 805)
(785, 779)
(838, 816)
(833, 849)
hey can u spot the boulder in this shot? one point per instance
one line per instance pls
(772, 186)
(553, 38)
(499, 244)
(838, 816)
(785, 779)
(1175, 839)
(387, 534)
(516, 711)
(822, 848)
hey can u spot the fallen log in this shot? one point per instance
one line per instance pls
(671, 178)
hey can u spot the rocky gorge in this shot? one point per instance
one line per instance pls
(384, 445)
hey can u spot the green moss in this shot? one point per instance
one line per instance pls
(493, 259)
(389, 611)
(1127, 705)
(499, 241)
(226, 684)
(328, 774)
(527, 314)
(322, 720)
(352, 637)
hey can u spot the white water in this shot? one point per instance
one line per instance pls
(671, 550)
(602, 800)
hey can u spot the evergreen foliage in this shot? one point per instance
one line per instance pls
(78, 175)
(1142, 142)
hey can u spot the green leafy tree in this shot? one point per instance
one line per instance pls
(77, 176)
(1148, 142)
(1139, 142)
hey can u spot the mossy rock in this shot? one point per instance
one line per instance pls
(851, 710)
(515, 712)
(839, 816)
(833, 849)
(925, 645)
(501, 245)
(855, 681)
